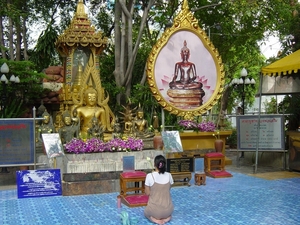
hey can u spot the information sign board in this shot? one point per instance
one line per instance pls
(271, 132)
(39, 183)
(16, 141)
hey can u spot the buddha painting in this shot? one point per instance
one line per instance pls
(185, 88)
(185, 72)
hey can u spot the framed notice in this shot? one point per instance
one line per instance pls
(172, 141)
(271, 132)
(53, 145)
(16, 141)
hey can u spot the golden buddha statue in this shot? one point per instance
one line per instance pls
(127, 119)
(140, 125)
(128, 126)
(87, 112)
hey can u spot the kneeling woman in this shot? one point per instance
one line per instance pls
(157, 185)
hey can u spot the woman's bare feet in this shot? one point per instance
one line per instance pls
(157, 221)
(167, 219)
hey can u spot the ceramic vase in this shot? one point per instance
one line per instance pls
(219, 145)
(158, 142)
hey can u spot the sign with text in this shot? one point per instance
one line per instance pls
(172, 141)
(53, 145)
(16, 141)
(271, 132)
(179, 165)
(39, 183)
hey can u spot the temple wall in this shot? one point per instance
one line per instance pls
(98, 162)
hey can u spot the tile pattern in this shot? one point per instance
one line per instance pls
(241, 199)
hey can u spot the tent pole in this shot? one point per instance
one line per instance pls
(258, 123)
(162, 119)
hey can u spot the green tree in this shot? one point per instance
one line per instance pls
(271, 106)
(235, 27)
(20, 98)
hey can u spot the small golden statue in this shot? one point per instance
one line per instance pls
(117, 129)
(155, 122)
(140, 125)
(127, 119)
(69, 130)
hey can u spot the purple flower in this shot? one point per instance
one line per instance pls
(96, 145)
(188, 124)
(75, 146)
(206, 126)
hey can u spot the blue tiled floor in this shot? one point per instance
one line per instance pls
(241, 199)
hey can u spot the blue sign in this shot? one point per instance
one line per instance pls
(39, 183)
(16, 141)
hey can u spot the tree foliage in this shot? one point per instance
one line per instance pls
(21, 97)
(133, 27)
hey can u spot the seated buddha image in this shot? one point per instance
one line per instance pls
(185, 72)
(88, 111)
(185, 89)
(140, 125)
(127, 118)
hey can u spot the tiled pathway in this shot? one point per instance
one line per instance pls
(241, 199)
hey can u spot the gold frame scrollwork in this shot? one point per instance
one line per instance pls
(212, 75)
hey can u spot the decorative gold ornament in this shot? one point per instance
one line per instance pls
(189, 87)
(80, 45)
(80, 33)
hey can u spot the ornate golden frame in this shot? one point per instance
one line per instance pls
(185, 27)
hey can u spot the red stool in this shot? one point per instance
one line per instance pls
(214, 161)
(136, 181)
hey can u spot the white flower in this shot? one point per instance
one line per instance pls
(149, 160)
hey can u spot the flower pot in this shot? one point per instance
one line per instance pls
(219, 145)
(158, 143)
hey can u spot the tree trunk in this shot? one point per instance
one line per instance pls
(224, 100)
(24, 31)
(11, 39)
(125, 54)
(117, 70)
(18, 41)
(3, 52)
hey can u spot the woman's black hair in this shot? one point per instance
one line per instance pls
(160, 163)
